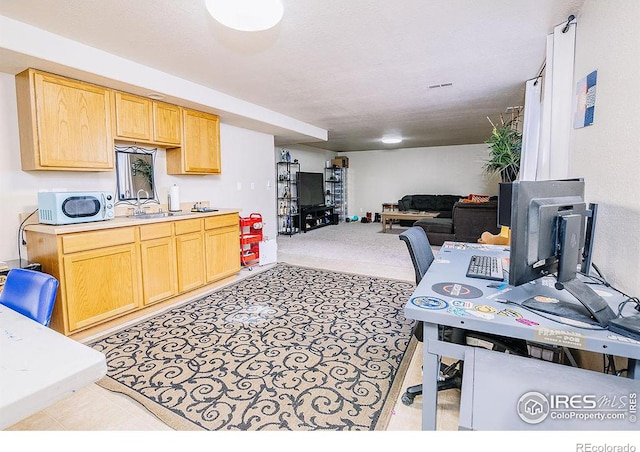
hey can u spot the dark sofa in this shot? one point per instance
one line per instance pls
(466, 224)
(443, 204)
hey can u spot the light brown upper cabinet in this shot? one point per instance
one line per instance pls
(200, 151)
(133, 117)
(167, 123)
(141, 119)
(64, 124)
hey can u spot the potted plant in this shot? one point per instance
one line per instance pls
(143, 168)
(505, 144)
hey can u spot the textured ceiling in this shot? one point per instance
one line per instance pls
(357, 68)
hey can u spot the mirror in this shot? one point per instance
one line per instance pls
(134, 169)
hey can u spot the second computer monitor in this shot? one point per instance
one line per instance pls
(547, 221)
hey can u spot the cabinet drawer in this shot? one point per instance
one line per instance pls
(220, 221)
(188, 226)
(156, 231)
(97, 239)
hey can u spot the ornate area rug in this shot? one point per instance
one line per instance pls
(289, 348)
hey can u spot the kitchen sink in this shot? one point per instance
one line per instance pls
(145, 216)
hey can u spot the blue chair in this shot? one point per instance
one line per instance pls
(30, 293)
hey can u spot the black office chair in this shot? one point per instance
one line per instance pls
(451, 375)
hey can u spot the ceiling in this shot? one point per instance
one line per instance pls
(360, 69)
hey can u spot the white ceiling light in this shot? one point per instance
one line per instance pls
(246, 15)
(391, 140)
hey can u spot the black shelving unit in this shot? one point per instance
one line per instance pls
(288, 208)
(316, 217)
(335, 182)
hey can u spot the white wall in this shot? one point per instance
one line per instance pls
(247, 158)
(379, 176)
(607, 153)
(376, 177)
(311, 159)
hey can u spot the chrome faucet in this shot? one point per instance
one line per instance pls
(139, 209)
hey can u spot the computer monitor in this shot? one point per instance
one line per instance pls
(587, 251)
(548, 221)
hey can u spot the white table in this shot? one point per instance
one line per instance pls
(39, 367)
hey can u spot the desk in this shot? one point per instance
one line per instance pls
(39, 366)
(498, 386)
(445, 296)
(413, 216)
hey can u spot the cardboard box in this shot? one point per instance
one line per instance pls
(340, 162)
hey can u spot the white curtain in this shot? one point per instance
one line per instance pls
(531, 129)
(553, 120)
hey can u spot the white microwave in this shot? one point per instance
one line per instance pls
(75, 207)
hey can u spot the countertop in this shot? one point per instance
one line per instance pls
(120, 222)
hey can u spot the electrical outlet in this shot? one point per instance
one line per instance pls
(239, 185)
(253, 186)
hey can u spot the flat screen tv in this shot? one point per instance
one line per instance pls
(310, 189)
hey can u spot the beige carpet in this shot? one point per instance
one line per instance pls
(360, 247)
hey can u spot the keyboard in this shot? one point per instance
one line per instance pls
(485, 267)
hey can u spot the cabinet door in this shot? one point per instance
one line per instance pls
(100, 284)
(159, 276)
(167, 123)
(133, 117)
(73, 129)
(190, 259)
(222, 252)
(200, 151)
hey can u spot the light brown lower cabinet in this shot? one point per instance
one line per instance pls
(158, 259)
(222, 249)
(189, 253)
(102, 284)
(107, 273)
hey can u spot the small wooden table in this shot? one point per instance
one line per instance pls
(404, 216)
(390, 207)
